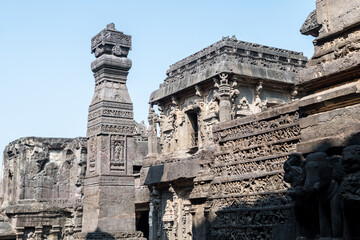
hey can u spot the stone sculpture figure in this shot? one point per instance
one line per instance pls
(118, 153)
(305, 205)
(169, 219)
(350, 191)
(31, 236)
(322, 180)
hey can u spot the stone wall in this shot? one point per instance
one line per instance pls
(234, 189)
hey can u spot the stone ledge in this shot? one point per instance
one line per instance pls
(330, 73)
(109, 180)
(318, 145)
(341, 91)
(185, 169)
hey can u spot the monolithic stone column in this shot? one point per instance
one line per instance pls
(225, 105)
(109, 185)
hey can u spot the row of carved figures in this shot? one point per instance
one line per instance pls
(172, 119)
(326, 193)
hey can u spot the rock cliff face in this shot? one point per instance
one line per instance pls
(43, 186)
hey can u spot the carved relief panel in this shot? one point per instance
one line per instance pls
(177, 218)
(118, 153)
(247, 194)
(92, 153)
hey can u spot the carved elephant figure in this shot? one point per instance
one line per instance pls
(305, 205)
(350, 191)
(322, 179)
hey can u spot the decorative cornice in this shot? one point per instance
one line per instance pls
(256, 54)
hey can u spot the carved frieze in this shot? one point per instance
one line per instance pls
(110, 113)
(257, 152)
(255, 126)
(111, 129)
(259, 232)
(269, 138)
(251, 217)
(267, 200)
(265, 184)
(258, 166)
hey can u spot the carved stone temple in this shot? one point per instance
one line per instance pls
(244, 141)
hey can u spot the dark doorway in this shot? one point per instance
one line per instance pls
(142, 223)
(194, 129)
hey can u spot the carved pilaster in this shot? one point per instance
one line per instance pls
(19, 231)
(152, 133)
(187, 229)
(224, 92)
(153, 214)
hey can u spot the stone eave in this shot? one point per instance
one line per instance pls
(329, 74)
(241, 69)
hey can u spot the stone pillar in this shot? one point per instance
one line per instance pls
(224, 93)
(153, 215)
(109, 191)
(151, 221)
(54, 233)
(188, 219)
(19, 231)
(152, 134)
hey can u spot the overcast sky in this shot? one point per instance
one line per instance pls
(46, 81)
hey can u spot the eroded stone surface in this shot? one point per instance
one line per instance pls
(43, 185)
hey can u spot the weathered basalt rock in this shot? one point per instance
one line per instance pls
(43, 186)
